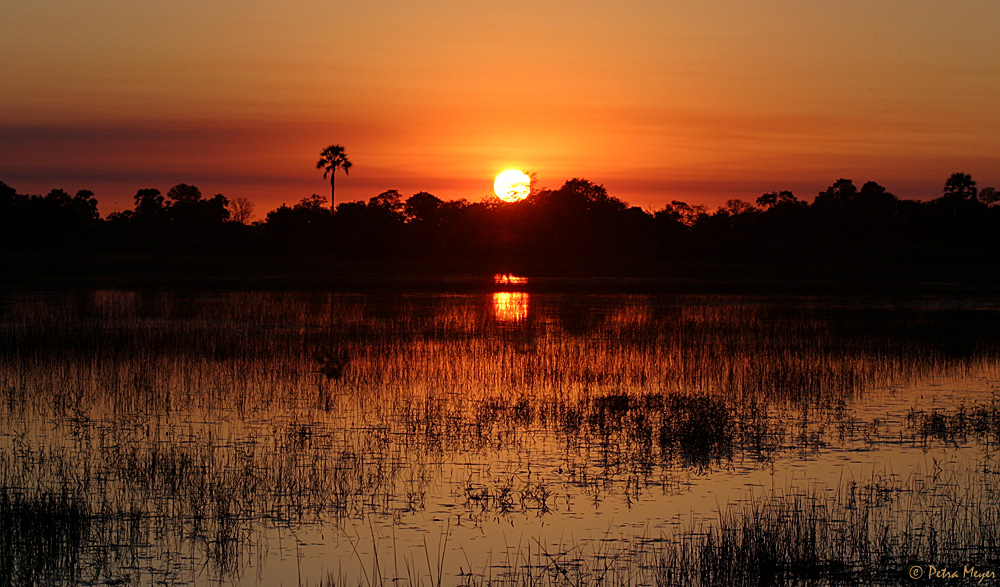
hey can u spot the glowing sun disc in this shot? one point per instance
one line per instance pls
(512, 185)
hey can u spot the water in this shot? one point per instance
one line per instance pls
(287, 437)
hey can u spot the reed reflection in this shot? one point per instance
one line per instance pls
(303, 408)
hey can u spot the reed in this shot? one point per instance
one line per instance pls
(42, 537)
(980, 421)
(871, 532)
(148, 424)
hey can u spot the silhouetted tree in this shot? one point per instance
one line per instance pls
(7, 193)
(331, 159)
(183, 193)
(240, 210)
(84, 206)
(61, 211)
(194, 214)
(875, 202)
(989, 196)
(425, 216)
(372, 229)
(873, 191)
(575, 219)
(8, 198)
(217, 208)
(772, 199)
(683, 212)
(583, 194)
(149, 203)
(960, 187)
(423, 207)
(670, 232)
(841, 192)
(737, 207)
(533, 187)
(854, 222)
(146, 225)
(382, 225)
(56, 199)
(314, 202)
(351, 209)
(306, 226)
(49, 221)
(390, 201)
(872, 216)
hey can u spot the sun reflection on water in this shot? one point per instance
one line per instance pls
(508, 279)
(510, 306)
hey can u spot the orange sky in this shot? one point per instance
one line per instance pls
(658, 100)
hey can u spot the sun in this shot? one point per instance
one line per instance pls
(512, 185)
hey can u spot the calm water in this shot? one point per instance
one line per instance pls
(291, 438)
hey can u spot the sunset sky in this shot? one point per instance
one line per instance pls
(658, 100)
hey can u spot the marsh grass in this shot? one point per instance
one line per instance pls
(980, 421)
(163, 423)
(862, 532)
(42, 537)
(870, 533)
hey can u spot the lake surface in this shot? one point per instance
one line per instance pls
(497, 437)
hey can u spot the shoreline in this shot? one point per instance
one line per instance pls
(601, 276)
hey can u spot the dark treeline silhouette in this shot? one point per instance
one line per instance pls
(578, 221)
(56, 218)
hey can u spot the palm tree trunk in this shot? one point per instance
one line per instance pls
(332, 192)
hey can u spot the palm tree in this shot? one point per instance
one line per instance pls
(330, 160)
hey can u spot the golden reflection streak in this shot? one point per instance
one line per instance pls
(510, 306)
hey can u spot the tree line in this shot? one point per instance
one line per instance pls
(579, 220)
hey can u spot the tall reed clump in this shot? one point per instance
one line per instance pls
(980, 421)
(42, 537)
(870, 533)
